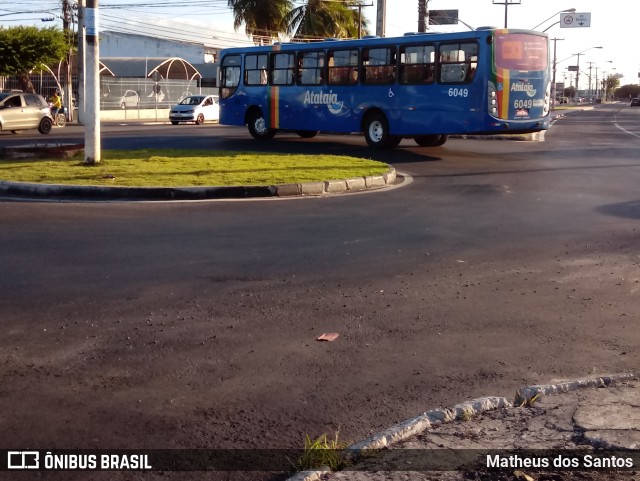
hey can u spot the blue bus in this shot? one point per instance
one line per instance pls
(423, 86)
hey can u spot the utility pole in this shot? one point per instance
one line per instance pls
(68, 32)
(555, 64)
(381, 22)
(92, 153)
(81, 68)
(506, 4)
(589, 91)
(359, 6)
(423, 15)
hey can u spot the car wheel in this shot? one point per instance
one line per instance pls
(15, 131)
(123, 106)
(257, 126)
(376, 131)
(200, 119)
(174, 122)
(45, 125)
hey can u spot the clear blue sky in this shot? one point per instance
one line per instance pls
(210, 21)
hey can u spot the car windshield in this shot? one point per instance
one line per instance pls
(192, 101)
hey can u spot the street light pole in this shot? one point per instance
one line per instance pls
(567, 10)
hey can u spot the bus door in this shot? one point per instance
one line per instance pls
(231, 111)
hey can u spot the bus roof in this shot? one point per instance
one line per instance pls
(407, 38)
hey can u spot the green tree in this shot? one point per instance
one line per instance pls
(610, 84)
(262, 18)
(24, 49)
(570, 92)
(323, 19)
(628, 91)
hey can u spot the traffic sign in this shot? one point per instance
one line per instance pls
(575, 20)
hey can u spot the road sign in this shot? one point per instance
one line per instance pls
(443, 17)
(575, 20)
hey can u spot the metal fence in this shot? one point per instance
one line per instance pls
(121, 93)
(145, 93)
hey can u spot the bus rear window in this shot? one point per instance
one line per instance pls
(518, 51)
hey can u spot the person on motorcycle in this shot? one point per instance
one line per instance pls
(56, 103)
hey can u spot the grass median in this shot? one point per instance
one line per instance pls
(188, 168)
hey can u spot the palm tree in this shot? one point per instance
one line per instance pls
(326, 18)
(262, 18)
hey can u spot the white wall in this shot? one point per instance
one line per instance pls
(115, 44)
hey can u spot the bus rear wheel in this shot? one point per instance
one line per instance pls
(307, 134)
(257, 126)
(376, 131)
(431, 140)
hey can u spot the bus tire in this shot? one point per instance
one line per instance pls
(257, 126)
(430, 140)
(394, 141)
(376, 131)
(307, 134)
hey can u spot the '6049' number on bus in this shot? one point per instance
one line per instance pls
(523, 104)
(458, 92)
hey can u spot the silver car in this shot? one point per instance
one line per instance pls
(24, 111)
(196, 108)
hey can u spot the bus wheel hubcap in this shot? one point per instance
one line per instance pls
(376, 131)
(260, 126)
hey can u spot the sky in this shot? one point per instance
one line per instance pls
(613, 23)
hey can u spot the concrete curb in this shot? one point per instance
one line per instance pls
(404, 430)
(76, 192)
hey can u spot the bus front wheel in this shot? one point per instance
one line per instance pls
(431, 140)
(257, 126)
(376, 131)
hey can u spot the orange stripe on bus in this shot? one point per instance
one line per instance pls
(503, 94)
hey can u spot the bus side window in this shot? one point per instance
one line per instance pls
(343, 67)
(417, 64)
(458, 62)
(379, 65)
(255, 69)
(282, 69)
(310, 68)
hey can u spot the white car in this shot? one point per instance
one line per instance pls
(196, 108)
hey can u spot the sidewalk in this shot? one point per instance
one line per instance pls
(577, 422)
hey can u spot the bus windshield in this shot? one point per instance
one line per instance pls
(520, 51)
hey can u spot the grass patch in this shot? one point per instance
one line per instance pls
(322, 452)
(184, 168)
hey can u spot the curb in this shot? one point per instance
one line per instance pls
(423, 422)
(59, 191)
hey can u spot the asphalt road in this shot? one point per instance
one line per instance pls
(190, 325)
